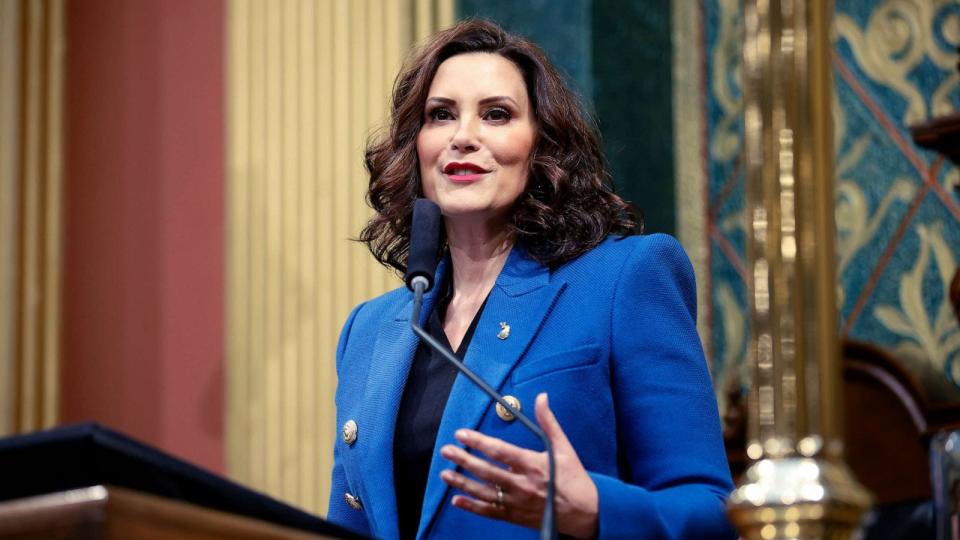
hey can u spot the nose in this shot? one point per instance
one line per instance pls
(465, 139)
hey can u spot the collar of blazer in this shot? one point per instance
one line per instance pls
(522, 297)
(520, 275)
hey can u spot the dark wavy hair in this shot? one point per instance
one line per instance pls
(569, 205)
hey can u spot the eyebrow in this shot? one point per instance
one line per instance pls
(484, 101)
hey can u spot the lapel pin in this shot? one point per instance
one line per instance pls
(353, 501)
(504, 332)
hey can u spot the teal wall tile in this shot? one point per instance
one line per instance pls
(632, 94)
(616, 56)
(560, 27)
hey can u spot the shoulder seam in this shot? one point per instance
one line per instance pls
(618, 282)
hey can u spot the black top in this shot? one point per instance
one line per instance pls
(418, 420)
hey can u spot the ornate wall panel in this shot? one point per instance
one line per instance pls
(31, 81)
(308, 81)
(898, 216)
(724, 222)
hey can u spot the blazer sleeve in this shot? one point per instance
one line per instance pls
(338, 511)
(675, 477)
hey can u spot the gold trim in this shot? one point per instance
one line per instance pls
(689, 148)
(30, 236)
(798, 486)
(32, 175)
(308, 82)
(53, 215)
(9, 211)
(446, 14)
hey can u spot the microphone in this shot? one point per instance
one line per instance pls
(421, 266)
(424, 244)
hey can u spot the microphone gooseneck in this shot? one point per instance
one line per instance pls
(548, 527)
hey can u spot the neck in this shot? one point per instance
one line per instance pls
(477, 254)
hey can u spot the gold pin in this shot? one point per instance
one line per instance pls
(353, 501)
(505, 413)
(504, 332)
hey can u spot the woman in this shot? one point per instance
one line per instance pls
(540, 294)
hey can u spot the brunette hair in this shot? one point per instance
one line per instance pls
(569, 205)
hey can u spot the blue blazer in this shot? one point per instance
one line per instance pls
(611, 336)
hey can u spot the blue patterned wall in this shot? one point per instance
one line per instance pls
(898, 214)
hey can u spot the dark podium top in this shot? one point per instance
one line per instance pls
(88, 454)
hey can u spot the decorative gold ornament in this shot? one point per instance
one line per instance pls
(504, 413)
(349, 432)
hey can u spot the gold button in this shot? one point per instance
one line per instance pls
(349, 432)
(353, 501)
(504, 413)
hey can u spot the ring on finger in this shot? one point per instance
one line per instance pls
(499, 501)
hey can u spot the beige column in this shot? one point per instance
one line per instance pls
(31, 79)
(690, 178)
(798, 485)
(308, 82)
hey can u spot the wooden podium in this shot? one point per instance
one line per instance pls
(112, 513)
(87, 482)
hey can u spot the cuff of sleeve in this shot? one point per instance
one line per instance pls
(629, 511)
(619, 509)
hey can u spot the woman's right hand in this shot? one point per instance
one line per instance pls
(517, 492)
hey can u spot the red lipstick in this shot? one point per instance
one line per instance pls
(463, 173)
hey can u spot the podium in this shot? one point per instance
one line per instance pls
(86, 481)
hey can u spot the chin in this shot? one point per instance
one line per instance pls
(467, 210)
(462, 210)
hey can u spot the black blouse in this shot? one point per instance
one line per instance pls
(421, 408)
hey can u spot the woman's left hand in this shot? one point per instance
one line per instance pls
(518, 492)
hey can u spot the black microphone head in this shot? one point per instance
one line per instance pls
(424, 242)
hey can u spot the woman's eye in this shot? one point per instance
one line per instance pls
(497, 115)
(440, 114)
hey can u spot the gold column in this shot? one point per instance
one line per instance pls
(798, 485)
(690, 183)
(31, 78)
(308, 82)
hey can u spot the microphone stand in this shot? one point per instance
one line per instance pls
(548, 527)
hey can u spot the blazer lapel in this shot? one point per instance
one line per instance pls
(392, 357)
(521, 298)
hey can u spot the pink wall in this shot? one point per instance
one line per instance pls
(143, 335)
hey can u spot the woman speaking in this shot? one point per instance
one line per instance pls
(544, 294)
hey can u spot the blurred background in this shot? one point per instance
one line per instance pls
(180, 181)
